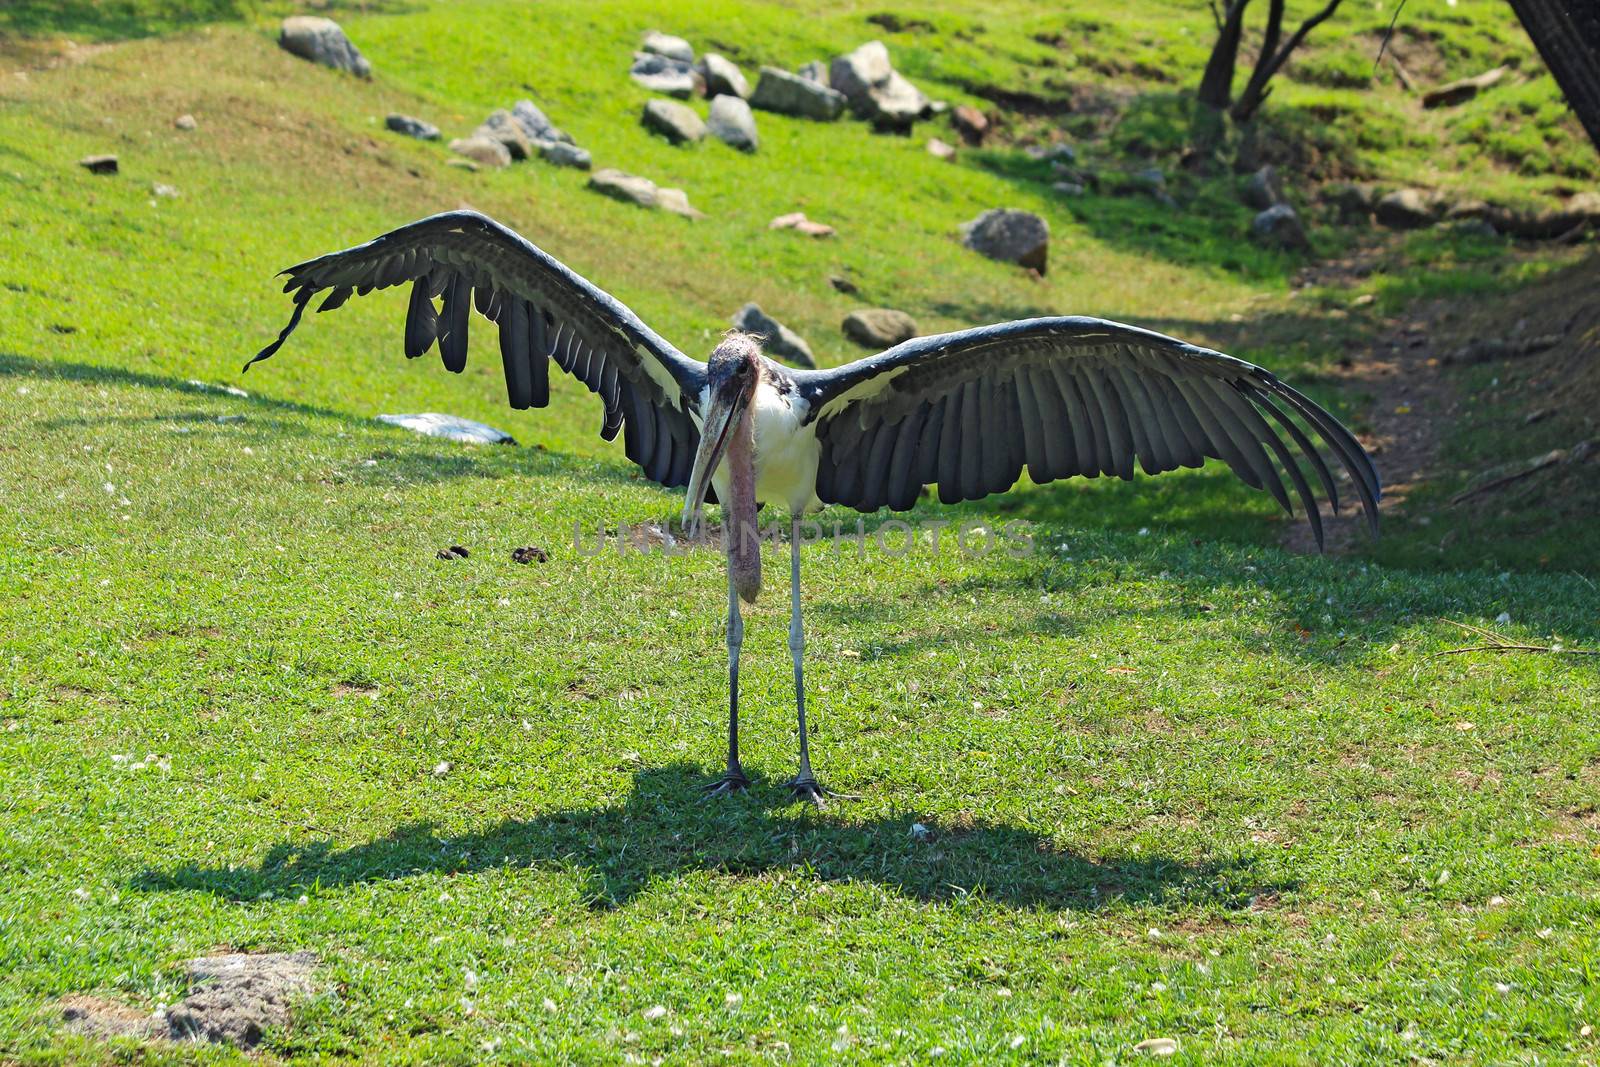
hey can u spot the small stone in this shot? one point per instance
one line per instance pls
(624, 186)
(462, 164)
(482, 150)
(677, 202)
(530, 554)
(1262, 189)
(733, 1000)
(790, 94)
(723, 77)
(814, 229)
(919, 832)
(1010, 236)
(160, 189)
(879, 327)
(441, 768)
(665, 44)
(843, 285)
(185, 122)
(1069, 188)
(563, 154)
(1280, 227)
(1405, 209)
(412, 127)
(784, 222)
(321, 41)
(776, 338)
(676, 122)
(661, 74)
(731, 122)
(106, 164)
(970, 123)
(655, 1012)
(941, 149)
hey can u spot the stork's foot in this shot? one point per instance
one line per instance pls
(732, 782)
(807, 788)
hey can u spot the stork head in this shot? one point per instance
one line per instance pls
(731, 375)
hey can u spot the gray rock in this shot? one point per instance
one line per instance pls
(776, 338)
(732, 123)
(1010, 236)
(624, 186)
(660, 74)
(941, 149)
(664, 44)
(500, 126)
(856, 73)
(875, 90)
(1058, 154)
(100, 164)
(722, 77)
(1459, 92)
(1069, 188)
(412, 127)
(677, 202)
(1263, 189)
(536, 125)
(450, 427)
(676, 122)
(1279, 227)
(1350, 201)
(814, 71)
(185, 122)
(322, 41)
(790, 94)
(879, 327)
(565, 155)
(1405, 209)
(482, 150)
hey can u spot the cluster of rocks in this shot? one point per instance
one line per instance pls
(1278, 224)
(666, 64)
(517, 134)
(1415, 209)
(864, 81)
(633, 189)
(874, 328)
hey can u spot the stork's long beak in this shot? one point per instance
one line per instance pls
(727, 404)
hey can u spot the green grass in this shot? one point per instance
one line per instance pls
(1181, 782)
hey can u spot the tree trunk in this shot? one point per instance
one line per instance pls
(1567, 34)
(1272, 58)
(1216, 84)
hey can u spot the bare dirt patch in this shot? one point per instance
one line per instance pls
(234, 999)
(1545, 335)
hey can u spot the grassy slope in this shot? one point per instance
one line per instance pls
(1125, 733)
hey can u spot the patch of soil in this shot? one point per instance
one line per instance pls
(235, 999)
(1556, 361)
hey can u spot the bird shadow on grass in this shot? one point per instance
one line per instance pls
(665, 828)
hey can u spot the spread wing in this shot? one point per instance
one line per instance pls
(1065, 396)
(544, 312)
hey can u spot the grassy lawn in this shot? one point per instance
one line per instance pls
(1180, 782)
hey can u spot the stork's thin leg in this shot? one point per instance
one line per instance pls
(734, 780)
(804, 784)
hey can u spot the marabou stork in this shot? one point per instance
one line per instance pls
(966, 410)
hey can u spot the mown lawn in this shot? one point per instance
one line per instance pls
(1180, 783)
